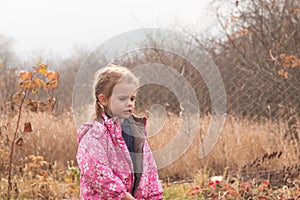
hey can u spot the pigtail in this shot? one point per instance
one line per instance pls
(98, 109)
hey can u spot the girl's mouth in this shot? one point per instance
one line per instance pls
(128, 111)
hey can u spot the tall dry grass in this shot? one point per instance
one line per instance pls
(246, 149)
(53, 137)
(241, 142)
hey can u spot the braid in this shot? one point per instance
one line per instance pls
(98, 108)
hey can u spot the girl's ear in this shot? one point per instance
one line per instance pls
(102, 99)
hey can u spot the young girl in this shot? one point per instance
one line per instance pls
(113, 155)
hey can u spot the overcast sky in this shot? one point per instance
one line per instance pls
(58, 25)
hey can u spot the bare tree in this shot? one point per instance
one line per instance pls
(248, 53)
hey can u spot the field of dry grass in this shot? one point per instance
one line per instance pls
(247, 151)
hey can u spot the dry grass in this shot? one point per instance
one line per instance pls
(245, 149)
(242, 142)
(53, 138)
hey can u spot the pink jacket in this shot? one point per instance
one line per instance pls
(106, 166)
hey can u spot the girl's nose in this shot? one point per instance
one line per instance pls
(130, 103)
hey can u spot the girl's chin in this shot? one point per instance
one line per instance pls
(124, 116)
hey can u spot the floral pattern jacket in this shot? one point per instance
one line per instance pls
(107, 170)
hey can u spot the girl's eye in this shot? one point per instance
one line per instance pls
(126, 98)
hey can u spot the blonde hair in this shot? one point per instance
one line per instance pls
(105, 81)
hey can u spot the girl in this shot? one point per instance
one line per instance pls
(113, 155)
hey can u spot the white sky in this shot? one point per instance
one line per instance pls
(58, 25)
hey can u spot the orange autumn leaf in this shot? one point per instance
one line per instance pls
(39, 83)
(25, 76)
(28, 84)
(52, 75)
(281, 72)
(52, 84)
(243, 32)
(282, 56)
(52, 78)
(289, 61)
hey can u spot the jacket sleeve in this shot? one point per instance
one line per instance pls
(95, 171)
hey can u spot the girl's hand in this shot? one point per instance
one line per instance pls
(128, 196)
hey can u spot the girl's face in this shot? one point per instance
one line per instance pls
(122, 101)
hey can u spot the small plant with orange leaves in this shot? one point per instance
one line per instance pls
(32, 84)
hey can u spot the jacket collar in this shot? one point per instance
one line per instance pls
(114, 126)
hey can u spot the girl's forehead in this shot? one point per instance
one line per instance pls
(125, 87)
